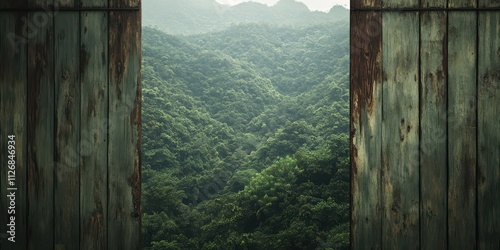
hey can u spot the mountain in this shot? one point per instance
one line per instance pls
(189, 17)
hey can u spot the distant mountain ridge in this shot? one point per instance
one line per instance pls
(188, 17)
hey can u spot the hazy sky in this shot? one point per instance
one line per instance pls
(322, 5)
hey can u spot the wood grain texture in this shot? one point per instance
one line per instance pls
(40, 132)
(462, 130)
(462, 3)
(67, 3)
(124, 3)
(40, 3)
(67, 129)
(488, 131)
(400, 126)
(13, 104)
(94, 3)
(360, 4)
(489, 3)
(366, 134)
(433, 168)
(94, 120)
(400, 3)
(433, 3)
(4, 4)
(125, 131)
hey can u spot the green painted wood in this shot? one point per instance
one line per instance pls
(462, 130)
(462, 3)
(400, 126)
(40, 132)
(39, 3)
(126, 3)
(433, 3)
(433, 170)
(67, 3)
(94, 3)
(359, 4)
(13, 101)
(366, 134)
(12, 4)
(67, 126)
(93, 138)
(400, 3)
(488, 131)
(125, 131)
(489, 3)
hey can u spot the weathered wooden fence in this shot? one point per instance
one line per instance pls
(425, 124)
(70, 124)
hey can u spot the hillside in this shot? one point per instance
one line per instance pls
(176, 17)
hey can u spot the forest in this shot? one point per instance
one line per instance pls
(245, 137)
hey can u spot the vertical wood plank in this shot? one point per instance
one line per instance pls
(13, 101)
(94, 119)
(433, 151)
(39, 3)
(488, 131)
(462, 130)
(366, 125)
(400, 3)
(125, 131)
(360, 4)
(489, 3)
(462, 3)
(433, 3)
(400, 126)
(66, 3)
(132, 3)
(13, 4)
(41, 137)
(67, 126)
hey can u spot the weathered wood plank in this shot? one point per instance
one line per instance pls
(433, 3)
(124, 3)
(366, 134)
(433, 168)
(488, 131)
(67, 126)
(94, 119)
(400, 3)
(359, 4)
(13, 101)
(41, 137)
(67, 3)
(39, 3)
(489, 3)
(400, 126)
(125, 131)
(94, 3)
(4, 4)
(462, 130)
(462, 3)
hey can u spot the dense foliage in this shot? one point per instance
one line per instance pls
(245, 141)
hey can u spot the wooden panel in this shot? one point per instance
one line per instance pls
(125, 3)
(359, 4)
(94, 119)
(400, 3)
(13, 82)
(12, 4)
(488, 131)
(125, 131)
(462, 130)
(366, 125)
(67, 3)
(400, 126)
(39, 3)
(67, 126)
(433, 3)
(489, 3)
(462, 3)
(433, 177)
(41, 137)
(94, 3)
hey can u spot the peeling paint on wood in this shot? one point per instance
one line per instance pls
(400, 126)
(366, 135)
(125, 130)
(67, 129)
(488, 131)
(94, 130)
(433, 172)
(462, 130)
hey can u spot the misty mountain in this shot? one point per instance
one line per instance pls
(189, 17)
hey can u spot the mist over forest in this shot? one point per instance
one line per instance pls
(245, 126)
